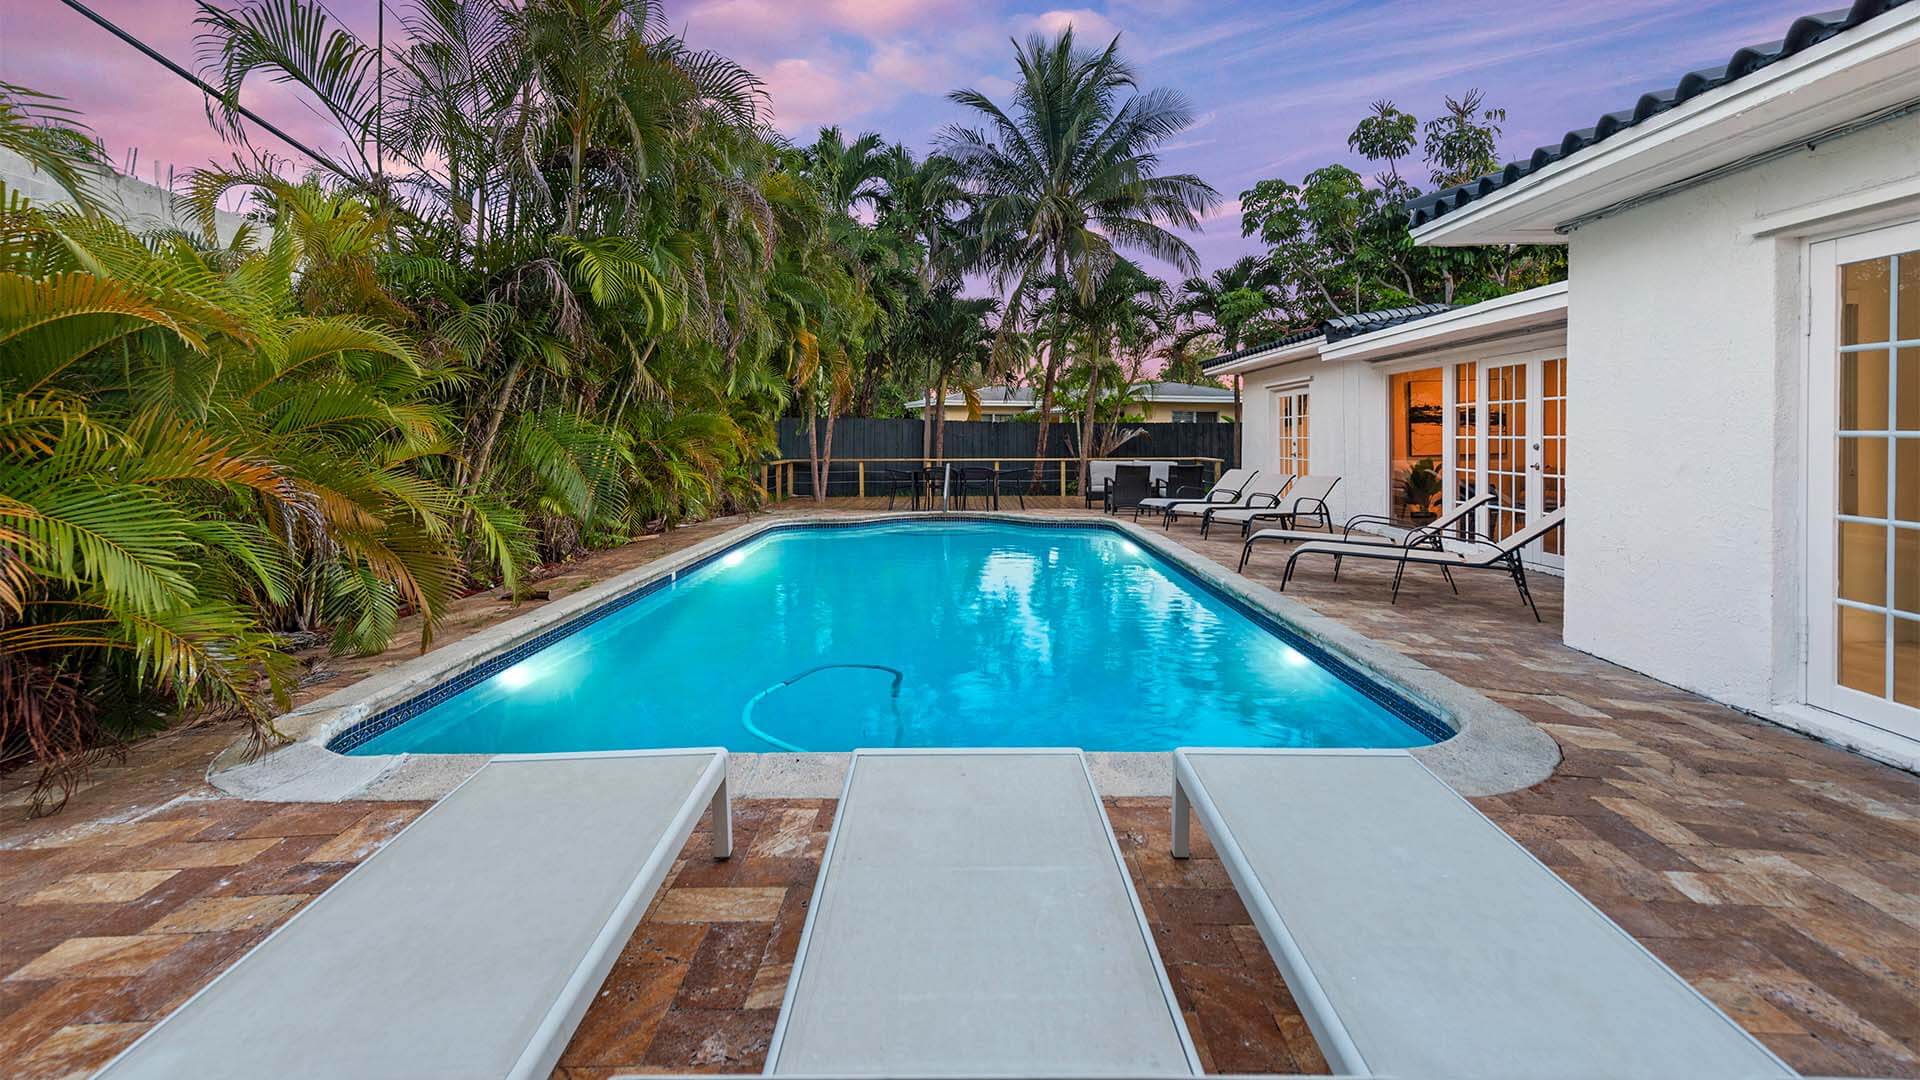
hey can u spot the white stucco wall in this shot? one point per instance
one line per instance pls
(1347, 428)
(142, 206)
(1687, 354)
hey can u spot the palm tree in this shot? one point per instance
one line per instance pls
(1222, 306)
(1119, 316)
(194, 455)
(954, 335)
(1069, 173)
(847, 174)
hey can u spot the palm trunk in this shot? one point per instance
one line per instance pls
(1239, 429)
(573, 193)
(1054, 353)
(940, 422)
(476, 468)
(813, 451)
(1086, 428)
(826, 450)
(926, 423)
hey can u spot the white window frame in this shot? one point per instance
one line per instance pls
(1819, 580)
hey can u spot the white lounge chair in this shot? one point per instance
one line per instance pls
(1428, 549)
(1224, 490)
(471, 944)
(1420, 940)
(1263, 490)
(1351, 533)
(1306, 497)
(973, 917)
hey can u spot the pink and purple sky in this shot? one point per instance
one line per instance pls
(1275, 86)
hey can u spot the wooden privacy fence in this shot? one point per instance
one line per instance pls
(861, 478)
(856, 437)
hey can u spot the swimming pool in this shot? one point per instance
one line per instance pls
(913, 633)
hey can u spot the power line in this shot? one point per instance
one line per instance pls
(204, 87)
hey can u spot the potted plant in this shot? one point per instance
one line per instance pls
(1421, 486)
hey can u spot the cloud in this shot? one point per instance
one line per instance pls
(1089, 26)
(808, 92)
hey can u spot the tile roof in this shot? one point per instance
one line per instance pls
(1338, 328)
(1806, 32)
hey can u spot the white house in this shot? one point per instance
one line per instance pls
(1476, 395)
(1741, 343)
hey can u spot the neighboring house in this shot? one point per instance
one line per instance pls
(1739, 365)
(1155, 402)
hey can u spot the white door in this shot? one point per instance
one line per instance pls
(1863, 481)
(1509, 437)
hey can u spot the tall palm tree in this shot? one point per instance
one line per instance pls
(924, 200)
(1120, 315)
(1223, 305)
(1067, 174)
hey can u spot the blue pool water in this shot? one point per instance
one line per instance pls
(914, 634)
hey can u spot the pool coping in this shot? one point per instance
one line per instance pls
(1493, 749)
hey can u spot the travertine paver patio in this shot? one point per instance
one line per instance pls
(1780, 875)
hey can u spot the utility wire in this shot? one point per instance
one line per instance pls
(205, 87)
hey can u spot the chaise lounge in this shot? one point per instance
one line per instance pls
(1427, 549)
(1419, 940)
(1224, 491)
(1263, 490)
(958, 929)
(1350, 534)
(471, 944)
(1306, 497)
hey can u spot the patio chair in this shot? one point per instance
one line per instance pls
(1225, 490)
(471, 944)
(972, 480)
(1099, 478)
(1429, 549)
(1016, 483)
(1461, 514)
(1131, 484)
(908, 482)
(973, 917)
(1263, 490)
(1420, 940)
(1185, 482)
(1305, 498)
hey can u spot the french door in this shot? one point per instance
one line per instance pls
(1292, 439)
(1863, 478)
(1508, 435)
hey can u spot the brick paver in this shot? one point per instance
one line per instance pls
(1780, 875)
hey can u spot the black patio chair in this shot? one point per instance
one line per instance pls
(972, 480)
(1014, 484)
(1186, 482)
(1131, 484)
(900, 482)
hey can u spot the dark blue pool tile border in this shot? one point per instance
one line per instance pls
(1375, 690)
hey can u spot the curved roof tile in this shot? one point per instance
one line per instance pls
(1806, 31)
(1338, 328)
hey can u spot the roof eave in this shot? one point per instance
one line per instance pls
(1860, 73)
(1539, 309)
(1278, 355)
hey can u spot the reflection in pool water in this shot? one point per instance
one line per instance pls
(914, 634)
